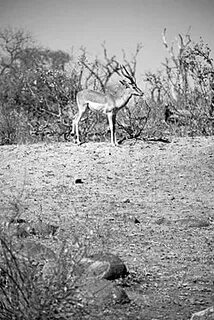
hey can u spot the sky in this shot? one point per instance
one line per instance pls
(70, 24)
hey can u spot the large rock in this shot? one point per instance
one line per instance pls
(36, 251)
(104, 266)
(207, 314)
(101, 292)
(49, 270)
(91, 279)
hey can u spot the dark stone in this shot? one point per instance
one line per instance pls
(104, 265)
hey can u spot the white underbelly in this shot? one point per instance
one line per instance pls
(97, 107)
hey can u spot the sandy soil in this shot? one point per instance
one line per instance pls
(151, 203)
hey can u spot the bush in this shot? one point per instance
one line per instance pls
(24, 291)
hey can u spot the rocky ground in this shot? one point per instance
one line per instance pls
(151, 203)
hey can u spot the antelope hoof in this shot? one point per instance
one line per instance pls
(115, 144)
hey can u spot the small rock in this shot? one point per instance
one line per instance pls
(126, 201)
(160, 221)
(207, 314)
(136, 221)
(199, 224)
(78, 180)
(194, 223)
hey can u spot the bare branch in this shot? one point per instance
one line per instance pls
(95, 74)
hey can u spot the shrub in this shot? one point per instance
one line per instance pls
(26, 294)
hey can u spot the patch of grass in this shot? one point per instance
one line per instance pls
(25, 293)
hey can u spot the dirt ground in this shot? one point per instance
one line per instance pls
(152, 203)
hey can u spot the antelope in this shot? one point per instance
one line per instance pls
(105, 103)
